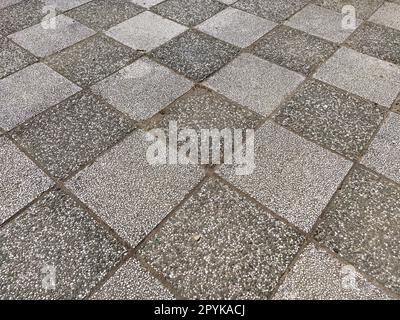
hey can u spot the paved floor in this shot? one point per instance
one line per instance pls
(84, 215)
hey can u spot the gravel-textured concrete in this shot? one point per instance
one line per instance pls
(363, 8)
(219, 245)
(6, 3)
(64, 5)
(387, 15)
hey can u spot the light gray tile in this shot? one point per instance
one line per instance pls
(255, 83)
(364, 8)
(147, 3)
(30, 91)
(64, 5)
(387, 15)
(368, 77)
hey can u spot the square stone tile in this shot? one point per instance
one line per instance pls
(236, 27)
(332, 118)
(145, 31)
(294, 49)
(64, 5)
(31, 91)
(377, 41)
(384, 152)
(103, 14)
(132, 282)
(143, 88)
(188, 12)
(321, 22)
(6, 3)
(42, 42)
(21, 15)
(71, 134)
(319, 276)
(255, 83)
(387, 15)
(275, 10)
(362, 225)
(220, 245)
(364, 8)
(195, 54)
(368, 77)
(293, 177)
(21, 180)
(128, 192)
(13, 58)
(92, 60)
(147, 3)
(55, 236)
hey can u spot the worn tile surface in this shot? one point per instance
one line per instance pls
(71, 134)
(49, 238)
(363, 8)
(64, 5)
(92, 60)
(195, 54)
(255, 83)
(143, 88)
(362, 226)
(331, 117)
(368, 77)
(219, 245)
(294, 49)
(6, 3)
(387, 15)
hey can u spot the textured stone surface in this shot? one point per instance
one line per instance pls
(363, 8)
(130, 194)
(30, 91)
(319, 276)
(132, 282)
(387, 15)
(145, 31)
(147, 3)
(54, 236)
(236, 27)
(331, 117)
(71, 134)
(92, 60)
(64, 5)
(293, 177)
(6, 3)
(42, 42)
(219, 245)
(195, 54)
(362, 226)
(294, 49)
(384, 152)
(255, 83)
(20, 180)
(143, 88)
(188, 12)
(368, 77)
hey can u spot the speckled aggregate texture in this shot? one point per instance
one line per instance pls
(92, 60)
(363, 8)
(255, 83)
(64, 5)
(331, 117)
(384, 153)
(12, 57)
(283, 178)
(20, 180)
(71, 134)
(219, 245)
(388, 15)
(377, 41)
(59, 238)
(294, 49)
(188, 12)
(132, 282)
(195, 55)
(319, 276)
(362, 226)
(6, 3)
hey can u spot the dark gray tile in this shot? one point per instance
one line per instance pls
(275, 10)
(21, 15)
(188, 12)
(219, 245)
(364, 8)
(377, 41)
(54, 237)
(331, 117)
(396, 105)
(13, 58)
(103, 14)
(362, 225)
(71, 134)
(92, 60)
(294, 49)
(195, 54)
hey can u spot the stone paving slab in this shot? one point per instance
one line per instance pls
(363, 8)
(387, 15)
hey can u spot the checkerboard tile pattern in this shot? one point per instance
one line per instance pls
(84, 86)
